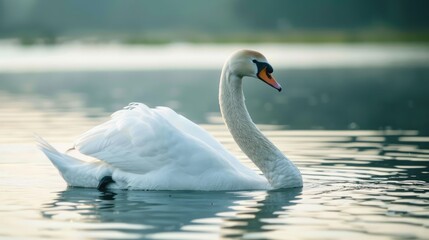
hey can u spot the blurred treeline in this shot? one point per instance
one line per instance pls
(144, 21)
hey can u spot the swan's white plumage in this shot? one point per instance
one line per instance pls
(158, 149)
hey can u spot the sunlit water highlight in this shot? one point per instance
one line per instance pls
(359, 184)
(114, 57)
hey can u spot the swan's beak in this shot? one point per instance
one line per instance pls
(269, 79)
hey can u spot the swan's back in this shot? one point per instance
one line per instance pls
(156, 148)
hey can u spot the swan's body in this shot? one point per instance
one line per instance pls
(158, 149)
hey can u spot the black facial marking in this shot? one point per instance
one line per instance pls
(262, 65)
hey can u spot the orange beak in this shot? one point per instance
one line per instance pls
(269, 79)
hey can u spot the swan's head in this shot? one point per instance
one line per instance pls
(253, 64)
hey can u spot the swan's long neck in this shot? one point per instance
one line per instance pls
(276, 167)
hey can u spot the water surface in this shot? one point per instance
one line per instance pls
(359, 136)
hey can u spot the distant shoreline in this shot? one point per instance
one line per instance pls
(381, 36)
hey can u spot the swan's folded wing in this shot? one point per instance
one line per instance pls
(134, 140)
(139, 139)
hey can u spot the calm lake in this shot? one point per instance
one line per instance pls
(358, 131)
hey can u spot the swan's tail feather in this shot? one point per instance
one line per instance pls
(61, 161)
(43, 144)
(74, 171)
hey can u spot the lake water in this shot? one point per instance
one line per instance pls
(359, 134)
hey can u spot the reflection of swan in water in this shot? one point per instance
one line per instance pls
(159, 212)
(158, 149)
(265, 206)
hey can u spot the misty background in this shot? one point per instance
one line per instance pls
(164, 21)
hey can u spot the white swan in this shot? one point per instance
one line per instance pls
(158, 149)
